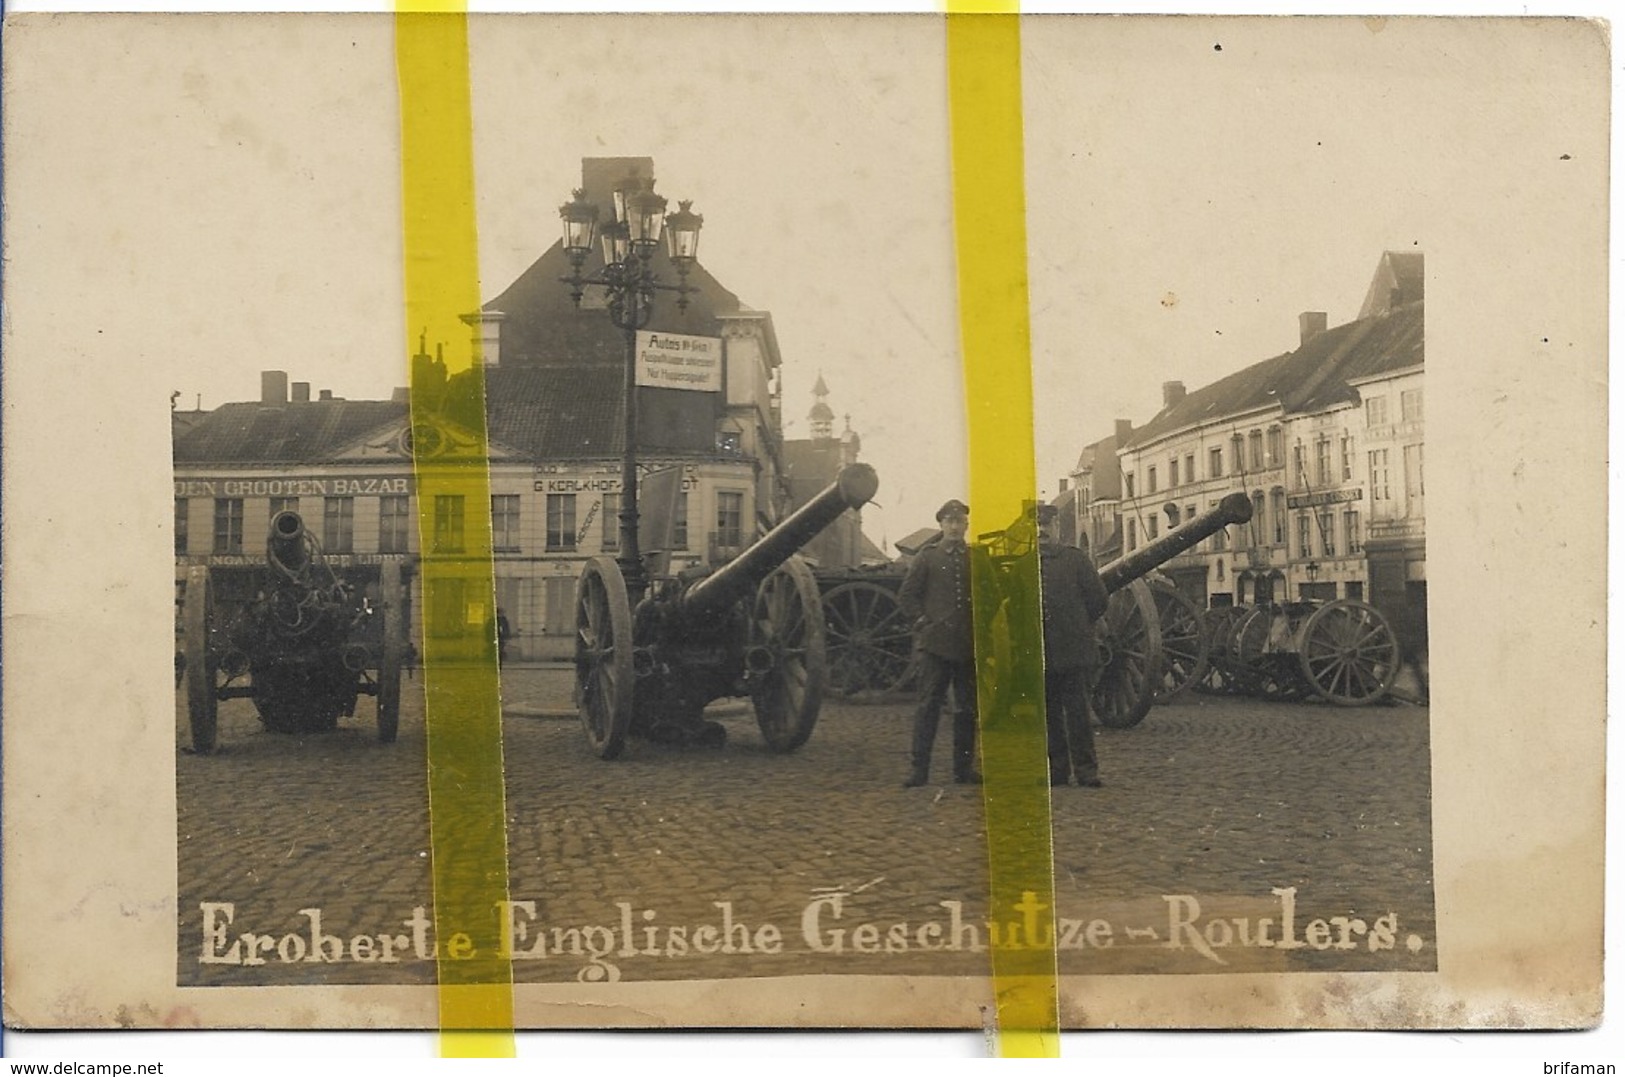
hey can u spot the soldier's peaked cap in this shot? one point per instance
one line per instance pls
(952, 507)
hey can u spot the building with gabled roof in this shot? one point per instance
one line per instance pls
(1326, 441)
(552, 382)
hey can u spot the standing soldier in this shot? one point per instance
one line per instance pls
(936, 596)
(1073, 599)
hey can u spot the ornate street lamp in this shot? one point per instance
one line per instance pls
(629, 241)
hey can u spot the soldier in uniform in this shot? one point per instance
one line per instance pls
(1073, 599)
(936, 596)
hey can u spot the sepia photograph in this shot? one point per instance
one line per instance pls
(626, 621)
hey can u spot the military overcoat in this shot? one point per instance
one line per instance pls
(1073, 599)
(936, 598)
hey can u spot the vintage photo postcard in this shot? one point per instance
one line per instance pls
(624, 620)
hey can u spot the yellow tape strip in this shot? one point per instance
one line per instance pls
(984, 94)
(463, 710)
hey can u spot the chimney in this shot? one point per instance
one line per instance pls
(301, 392)
(327, 394)
(1172, 393)
(487, 326)
(1063, 486)
(1311, 323)
(273, 388)
(1125, 430)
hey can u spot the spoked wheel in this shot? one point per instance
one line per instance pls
(1349, 653)
(1224, 673)
(604, 656)
(867, 639)
(786, 620)
(1130, 647)
(392, 650)
(202, 705)
(1184, 641)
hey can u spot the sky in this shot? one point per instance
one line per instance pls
(1192, 186)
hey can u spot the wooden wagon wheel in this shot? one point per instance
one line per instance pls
(392, 649)
(868, 644)
(1265, 644)
(202, 704)
(1184, 641)
(604, 678)
(1129, 642)
(1224, 674)
(1349, 653)
(786, 618)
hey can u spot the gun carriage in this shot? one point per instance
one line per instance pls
(1129, 666)
(304, 649)
(1141, 653)
(753, 628)
(1343, 652)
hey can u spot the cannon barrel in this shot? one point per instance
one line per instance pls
(852, 489)
(1234, 509)
(286, 548)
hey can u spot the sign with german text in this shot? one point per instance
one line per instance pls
(675, 361)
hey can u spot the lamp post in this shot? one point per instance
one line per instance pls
(629, 241)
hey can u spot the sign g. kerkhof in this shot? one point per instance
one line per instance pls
(675, 361)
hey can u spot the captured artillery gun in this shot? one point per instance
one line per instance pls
(754, 627)
(1342, 652)
(1128, 667)
(303, 650)
(1133, 661)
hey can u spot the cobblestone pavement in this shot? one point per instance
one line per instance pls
(1223, 823)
